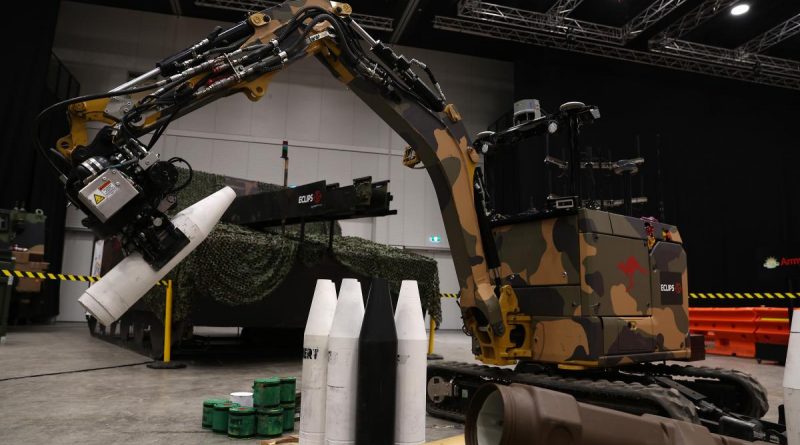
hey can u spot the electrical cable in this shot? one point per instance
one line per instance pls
(157, 134)
(316, 14)
(297, 19)
(398, 83)
(38, 119)
(347, 37)
(121, 164)
(142, 106)
(188, 180)
(75, 371)
(223, 49)
(214, 35)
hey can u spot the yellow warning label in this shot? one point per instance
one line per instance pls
(98, 198)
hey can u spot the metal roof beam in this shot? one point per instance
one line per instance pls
(411, 6)
(506, 15)
(563, 8)
(375, 22)
(724, 68)
(175, 5)
(704, 12)
(650, 16)
(365, 20)
(714, 54)
(772, 37)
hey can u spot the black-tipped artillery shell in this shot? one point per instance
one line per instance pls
(377, 369)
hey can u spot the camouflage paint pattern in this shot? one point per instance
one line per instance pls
(591, 294)
(445, 149)
(635, 228)
(543, 252)
(549, 301)
(613, 312)
(615, 277)
(593, 221)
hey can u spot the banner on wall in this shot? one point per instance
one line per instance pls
(779, 267)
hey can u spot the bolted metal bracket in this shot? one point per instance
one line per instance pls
(439, 388)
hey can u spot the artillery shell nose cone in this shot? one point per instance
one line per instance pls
(408, 318)
(323, 308)
(349, 310)
(412, 365)
(343, 351)
(379, 314)
(315, 363)
(377, 369)
(129, 280)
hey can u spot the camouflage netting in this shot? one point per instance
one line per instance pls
(250, 264)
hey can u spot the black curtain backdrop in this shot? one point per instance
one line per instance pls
(729, 156)
(33, 81)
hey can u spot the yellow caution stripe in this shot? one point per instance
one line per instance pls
(776, 320)
(745, 295)
(712, 295)
(57, 276)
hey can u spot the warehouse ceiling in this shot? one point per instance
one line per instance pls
(703, 36)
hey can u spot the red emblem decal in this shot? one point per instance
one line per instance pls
(629, 268)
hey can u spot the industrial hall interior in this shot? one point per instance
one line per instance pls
(418, 222)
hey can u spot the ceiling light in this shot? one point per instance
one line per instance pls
(740, 9)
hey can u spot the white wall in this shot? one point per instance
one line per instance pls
(448, 283)
(331, 133)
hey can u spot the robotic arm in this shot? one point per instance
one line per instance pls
(243, 59)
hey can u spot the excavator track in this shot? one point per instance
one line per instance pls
(461, 380)
(728, 389)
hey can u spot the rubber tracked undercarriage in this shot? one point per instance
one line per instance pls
(732, 404)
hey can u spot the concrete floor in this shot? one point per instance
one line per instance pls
(131, 403)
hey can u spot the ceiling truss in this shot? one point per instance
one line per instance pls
(650, 16)
(694, 18)
(556, 29)
(408, 12)
(481, 18)
(619, 53)
(772, 37)
(374, 22)
(506, 15)
(563, 8)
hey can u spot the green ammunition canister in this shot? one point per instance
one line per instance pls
(241, 422)
(288, 387)
(220, 422)
(267, 392)
(269, 421)
(288, 416)
(208, 411)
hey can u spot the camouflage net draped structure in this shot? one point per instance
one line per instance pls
(237, 265)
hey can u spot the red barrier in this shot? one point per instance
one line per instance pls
(772, 325)
(728, 331)
(735, 331)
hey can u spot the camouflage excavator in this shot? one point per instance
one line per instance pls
(584, 301)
